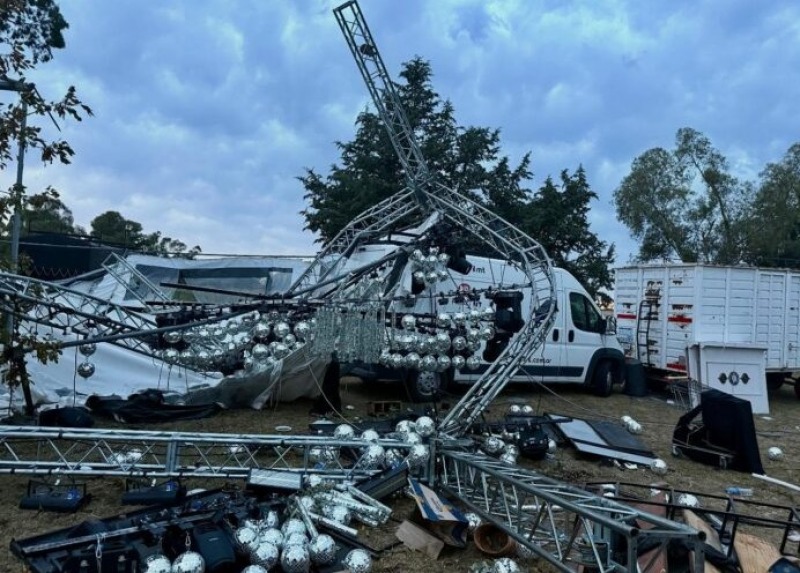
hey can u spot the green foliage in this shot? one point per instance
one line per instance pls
(685, 203)
(112, 227)
(467, 159)
(774, 229)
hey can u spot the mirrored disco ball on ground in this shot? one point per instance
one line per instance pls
(282, 329)
(295, 539)
(493, 445)
(473, 521)
(157, 564)
(358, 561)
(322, 549)
(271, 520)
(688, 500)
(295, 559)
(293, 525)
(775, 453)
(189, 562)
(408, 322)
(514, 410)
(425, 426)
(373, 456)
(271, 536)
(392, 458)
(417, 455)
(413, 438)
(266, 555)
(255, 569)
(458, 361)
(659, 466)
(344, 432)
(370, 436)
(505, 565)
(338, 513)
(246, 539)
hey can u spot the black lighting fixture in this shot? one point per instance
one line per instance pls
(458, 260)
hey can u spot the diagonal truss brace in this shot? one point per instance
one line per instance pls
(560, 523)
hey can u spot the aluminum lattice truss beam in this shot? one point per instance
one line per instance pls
(558, 522)
(78, 452)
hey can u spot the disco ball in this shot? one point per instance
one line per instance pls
(293, 525)
(408, 322)
(302, 329)
(443, 320)
(460, 318)
(256, 525)
(87, 349)
(474, 315)
(266, 554)
(417, 256)
(443, 342)
(487, 333)
(344, 432)
(295, 539)
(308, 502)
(413, 438)
(511, 449)
(282, 329)
(487, 313)
(419, 276)
(261, 330)
(493, 445)
(85, 369)
(373, 456)
(314, 480)
(431, 277)
(315, 454)
(417, 455)
(412, 360)
(260, 351)
(358, 561)
(425, 426)
(473, 362)
(403, 427)
(688, 500)
(508, 459)
(392, 458)
(173, 337)
(459, 343)
(157, 564)
(189, 562)
(370, 436)
(246, 539)
(255, 569)
(659, 467)
(289, 339)
(281, 351)
(428, 363)
(505, 565)
(458, 361)
(322, 549)
(514, 410)
(473, 521)
(443, 258)
(473, 335)
(397, 360)
(271, 521)
(551, 446)
(527, 409)
(626, 420)
(634, 427)
(775, 453)
(443, 362)
(271, 536)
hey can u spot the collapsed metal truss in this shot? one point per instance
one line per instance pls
(560, 523)
(509, 242)
(30, 450)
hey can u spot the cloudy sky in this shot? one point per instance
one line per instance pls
(207, 111)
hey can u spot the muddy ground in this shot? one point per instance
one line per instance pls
(657, 413)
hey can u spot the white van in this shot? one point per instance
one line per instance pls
(581, 347)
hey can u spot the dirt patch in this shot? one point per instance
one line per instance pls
(654, 413)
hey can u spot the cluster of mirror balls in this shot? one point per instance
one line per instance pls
(454, 342)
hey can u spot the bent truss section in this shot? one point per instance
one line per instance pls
(561, 523)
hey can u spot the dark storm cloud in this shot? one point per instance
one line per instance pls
(208, 111)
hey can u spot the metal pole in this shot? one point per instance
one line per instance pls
(17, 218)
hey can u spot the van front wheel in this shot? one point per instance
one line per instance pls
(425, 386)
(603, 378)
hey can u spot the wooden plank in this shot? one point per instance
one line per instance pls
(655, 560)
(755, 554)
(712, 537)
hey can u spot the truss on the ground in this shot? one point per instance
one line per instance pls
(34, 450)
(558, 522)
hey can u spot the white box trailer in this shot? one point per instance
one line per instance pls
(665, 310)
